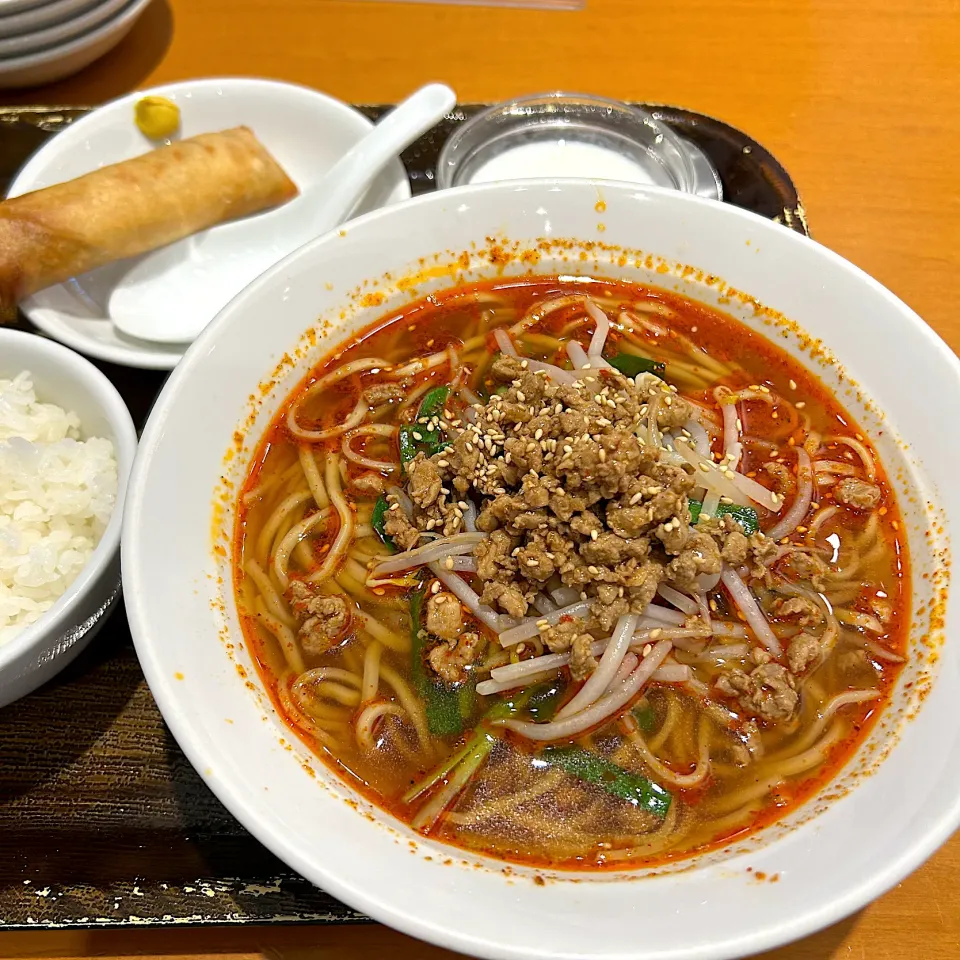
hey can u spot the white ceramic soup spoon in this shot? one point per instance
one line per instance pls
(168, 299)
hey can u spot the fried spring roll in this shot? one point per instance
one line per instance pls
(133, 207)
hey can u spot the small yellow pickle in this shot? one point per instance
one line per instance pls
(157, 117)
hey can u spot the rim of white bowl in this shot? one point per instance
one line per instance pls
(108, 399)
(927, 839)
(51, 34)
(160, 358)
(63, 50)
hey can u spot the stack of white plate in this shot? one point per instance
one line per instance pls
(45, 40)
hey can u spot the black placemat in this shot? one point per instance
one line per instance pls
(103, 822)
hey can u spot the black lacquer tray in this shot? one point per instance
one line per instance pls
(103, 822)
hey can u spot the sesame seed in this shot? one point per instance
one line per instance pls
(435, 588)
(524, 364)
(448, 563)
(522, 397)
(800, 405)
(533, 563)
(793, 384)
(417, 436)
(704, 467)
(394, 506)
(538, 434)
(655, 632)
(594, 534)
(647, 649)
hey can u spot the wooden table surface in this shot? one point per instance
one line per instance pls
(857, 98)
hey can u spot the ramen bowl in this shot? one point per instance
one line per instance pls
(856, 838)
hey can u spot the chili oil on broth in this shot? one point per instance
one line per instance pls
(358, 705)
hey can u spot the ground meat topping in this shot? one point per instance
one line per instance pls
(804, 612)
(769, 691)
(582, 660)
(572, 491)
(857, 493)
(449, 659)
(386, 392)
(321, 619)
(444, 616)
(398, 527)
(784, 481)
(802, 565)
(368, 484)
(882, 608)
(804, 651)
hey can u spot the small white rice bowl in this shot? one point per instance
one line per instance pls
(57, 492)
(67, 444)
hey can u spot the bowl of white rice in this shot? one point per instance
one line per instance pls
(67, 443)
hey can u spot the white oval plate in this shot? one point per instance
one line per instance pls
(305, 130)
(894, 803)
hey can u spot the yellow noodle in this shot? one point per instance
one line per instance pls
(280, 476)
(812, 757)
(391, 640)
(283, 634)
(345, 534)
(733, 801)
(312, 475)
(411, 704)
(352, 655)
(302, 720)
(664, 837)
(279, 514)
(368, 718)
(725, 825)
(293, 537)
(673, 714)
(371, 671)
(273, 602)
(664, 772)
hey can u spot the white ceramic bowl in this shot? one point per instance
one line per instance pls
(62, 377)
(897, 800)
(22, 44)
(67, 58)
(305, 130)
(42, 15)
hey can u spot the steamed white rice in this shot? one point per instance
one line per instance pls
(57, 493)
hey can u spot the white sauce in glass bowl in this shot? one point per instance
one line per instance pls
(561, 158)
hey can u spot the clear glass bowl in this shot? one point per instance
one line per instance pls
(648, 150)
